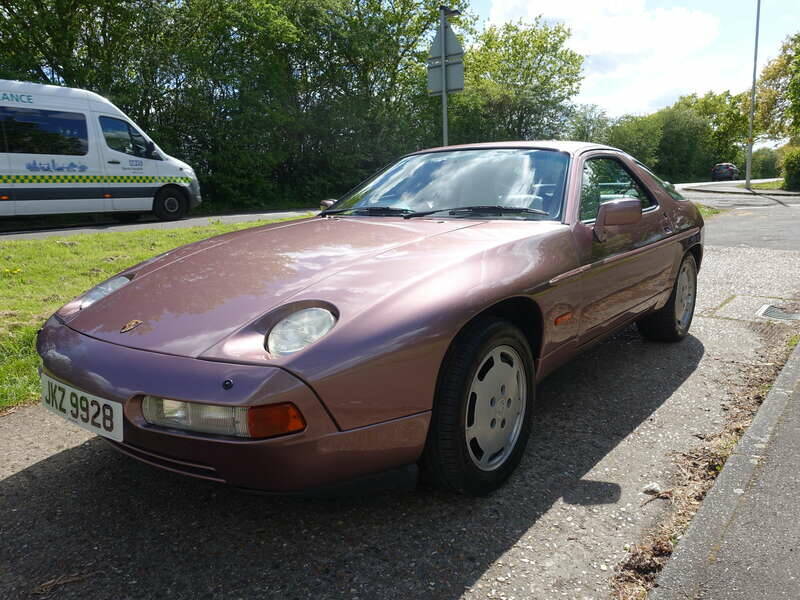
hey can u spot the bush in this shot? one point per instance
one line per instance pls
(791, 169)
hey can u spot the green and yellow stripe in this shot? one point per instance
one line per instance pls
(72, 178)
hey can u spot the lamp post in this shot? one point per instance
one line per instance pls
(749, 159)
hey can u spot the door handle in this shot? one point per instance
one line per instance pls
(113, 162)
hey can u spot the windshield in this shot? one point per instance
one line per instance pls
(514, 178)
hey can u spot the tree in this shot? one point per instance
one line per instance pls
(588, 123)
(518, 81)
(778, 92)
(639, 136)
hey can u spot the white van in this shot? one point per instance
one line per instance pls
(64, 150)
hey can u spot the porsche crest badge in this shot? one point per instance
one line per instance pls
(130, 325)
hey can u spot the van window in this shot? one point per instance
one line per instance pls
(35, 131)
(123, 137)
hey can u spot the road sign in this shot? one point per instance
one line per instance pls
(445, 64)
(454, 57)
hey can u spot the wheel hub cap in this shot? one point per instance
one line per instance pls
(495, 407)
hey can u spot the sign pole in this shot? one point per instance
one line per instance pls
(443, 36)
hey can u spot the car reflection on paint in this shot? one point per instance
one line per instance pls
(405, 326)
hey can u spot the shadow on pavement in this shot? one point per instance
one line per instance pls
(138, 532)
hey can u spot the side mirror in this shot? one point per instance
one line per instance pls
(326, 204)
(625, 211)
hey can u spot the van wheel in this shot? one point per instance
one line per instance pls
(481, 417)
(170, 204)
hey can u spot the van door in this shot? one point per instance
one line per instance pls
(130, 163)
(52, 164)
(6, 187)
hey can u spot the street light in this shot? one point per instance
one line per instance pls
(749, 158)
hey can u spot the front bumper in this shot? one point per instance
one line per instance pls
(317, 457)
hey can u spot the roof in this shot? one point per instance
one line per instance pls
(26, 87)
(571, 147)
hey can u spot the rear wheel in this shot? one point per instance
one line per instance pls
(170, 204)
(671, 323)
(482, 413)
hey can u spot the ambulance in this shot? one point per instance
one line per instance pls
(65, 150)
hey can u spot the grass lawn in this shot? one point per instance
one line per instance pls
(38, 276)
(707, 211)
(770, 185)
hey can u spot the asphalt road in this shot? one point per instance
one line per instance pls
(606, 425)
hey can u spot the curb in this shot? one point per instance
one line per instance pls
(768, 193)
(683, 574)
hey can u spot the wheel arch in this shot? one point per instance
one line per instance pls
(521, 311)
(174, 186)
(697, 252)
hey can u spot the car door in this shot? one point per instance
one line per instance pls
(130, 164)
(624, 274)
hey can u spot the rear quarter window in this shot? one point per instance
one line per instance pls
(37, 131)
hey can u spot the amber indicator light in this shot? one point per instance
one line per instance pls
(560, 320)
(4, 198)
(274, 419)
(106, 195)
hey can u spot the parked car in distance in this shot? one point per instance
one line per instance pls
(724, 171)
(64, 150)
(407, 325)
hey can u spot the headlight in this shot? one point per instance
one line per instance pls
(238, 421)
(104, 289)
(299, 329)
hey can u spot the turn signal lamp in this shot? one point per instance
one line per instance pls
(264, 421)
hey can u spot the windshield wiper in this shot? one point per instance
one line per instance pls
(495, 209)
(369, 210)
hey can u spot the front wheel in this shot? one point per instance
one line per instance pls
(482, 411)
(170, 204)
(671, 322)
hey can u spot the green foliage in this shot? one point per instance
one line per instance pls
(518, 82)
(791, 169)
(588, 123)
(638, 136)
(765, 163)
(284, 102)
(778, 92)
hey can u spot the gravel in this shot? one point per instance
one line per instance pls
(76, 512)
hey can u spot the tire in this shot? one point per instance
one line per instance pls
(671, 322)
(170, 204)
(476, 438)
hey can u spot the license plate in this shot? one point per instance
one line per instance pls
(85, 410)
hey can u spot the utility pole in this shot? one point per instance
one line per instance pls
(749, 159)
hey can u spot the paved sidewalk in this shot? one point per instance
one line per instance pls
(744, 543)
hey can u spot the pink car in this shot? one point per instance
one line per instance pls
(407, 325)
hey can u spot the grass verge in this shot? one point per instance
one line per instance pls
(707, 211)
(769, 185)
(697, 470)
(38, 276)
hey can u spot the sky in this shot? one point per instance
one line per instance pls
(641, 55)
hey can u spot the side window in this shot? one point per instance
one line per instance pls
(605, 179)
(123, 137)
(35, 131)
(668, 187)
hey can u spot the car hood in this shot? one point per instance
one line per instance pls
(191, 298)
